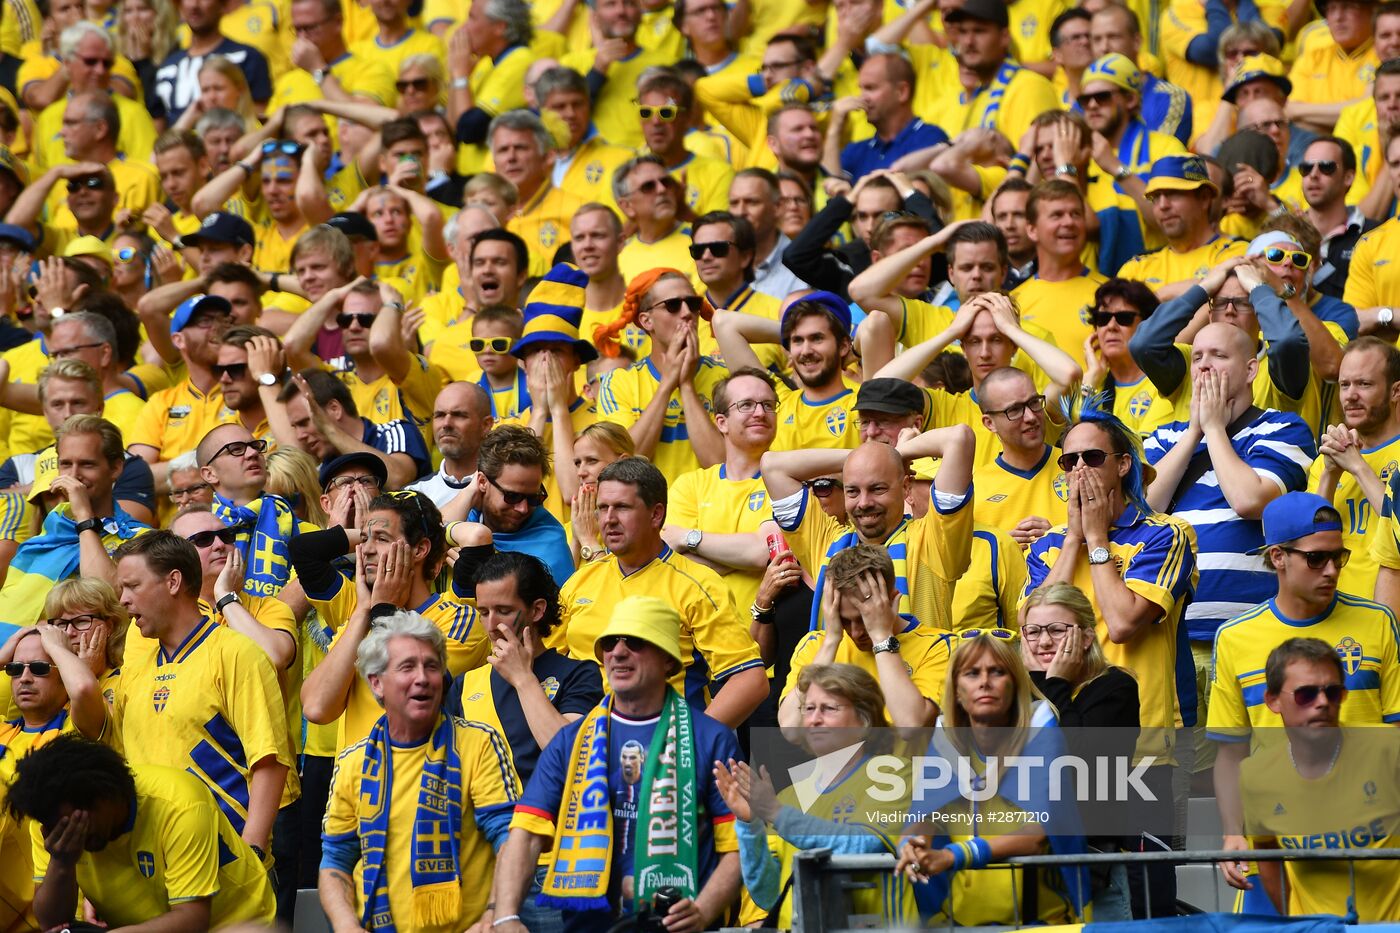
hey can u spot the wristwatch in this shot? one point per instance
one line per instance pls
(88, 524)
(693, 537)
(318, 76)
(57, 312)
(890, 644)
(396, 305)
(1122, 173)
(1099, 555)
(589, 553)
(1067, 169)
(461, 83)
(1289, 290)
(1384, 316)
(224, 600)
(267, 379)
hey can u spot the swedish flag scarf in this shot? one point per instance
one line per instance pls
(995, 91)
(437, 888)
(666, 850)
(268, 524)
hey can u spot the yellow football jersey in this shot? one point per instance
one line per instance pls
(817, 423)
(625, 393)
(1004, 495)
(28, 433)
(174, 420)
(614, 110)
(1325, 73)
(1166, 265)
(1374, 277)
(987, 596)
(1361, 524)
(712, 501)
(543, 223)
(924, 650)
(706, 182)
(360, 77)
(670, 252)
(414, 42)
(1065, 308)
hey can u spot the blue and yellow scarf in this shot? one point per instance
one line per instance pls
(437, 887)
(666, 853)
(995, 91)
(269, 523)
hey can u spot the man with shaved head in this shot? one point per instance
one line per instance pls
(929, 553)
(1227, 458)
(461, 419)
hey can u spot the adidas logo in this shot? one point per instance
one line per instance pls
(1279, 810)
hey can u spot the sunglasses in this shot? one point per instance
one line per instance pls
(237, 449)
(364, 479)
(1280, 256)
(344, 320)
(535, 499)
(1098, 98)
(1017, 412)
(188, 490)
(822, 488)
(282, 146)
(203, 539)
(1121, 318)
(1005, 634)
(92, 183)
(1325, 166)
(37, 668)
(665, 113)
(78, 623)
(1319, 559)
(232, 370)
(1092, 459)
(494, 344)
(127, 254)
(718, 248)
(413, 84)
(633, 643)
(651, 186)
(1307, 696)
(692, 303)
(96, 62)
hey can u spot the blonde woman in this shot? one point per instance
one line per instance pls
(420, 83)
(223, 86)
(992, 711)
(291, 474)
(841, 705)
(146, 34)
(595, 447)
(1066, 662)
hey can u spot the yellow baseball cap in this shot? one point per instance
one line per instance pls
(647, 618)
(1117, 69)
(1254, 67)
(88, 246)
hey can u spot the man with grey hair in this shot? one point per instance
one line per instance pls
(220, 128)
(586, 167)
(520, 146)
(88, 54)
(444, 832)
(488, 58)
(650, 199)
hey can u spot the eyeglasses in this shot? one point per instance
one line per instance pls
(73, 350)
(1279, 256)
(746, 406)
(127, 254)
(232, 370)
(769, 67)
(1055, 630)
(188, 491)
(91, 183)
(78, 623)
(1121, 318)
(1018, 411)
(1319, 559)
(364, 319)
(826, 709)
(1307, 696)
(821, 488)
(535, 499)
(494, 344)
(361, 479)
(96, 62)
(1325, 166)
(1264, 126)
(282, 146)
(413, 84)
(1098, 99)
(203, 539)
(37, 668)
(633, 643)
(1005, 634)
(237, 449)
(1242, 305)
(692, 303)
(717, 248)
(1092, 459)
(665, 113)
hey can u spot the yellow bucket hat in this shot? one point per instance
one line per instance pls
(647, 618)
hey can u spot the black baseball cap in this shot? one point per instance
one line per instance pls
(990, 11)
(222, 227)
(333, 467)
(353, 224)
(891, 396)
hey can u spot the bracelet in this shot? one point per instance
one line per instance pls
(500, 921)
(761, 616)
(224, 600)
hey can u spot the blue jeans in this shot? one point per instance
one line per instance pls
(535, 918)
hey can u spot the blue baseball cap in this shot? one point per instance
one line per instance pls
(1179, 173)
(199, 304)
(839, 307)
(19, 236)
(1295, 515)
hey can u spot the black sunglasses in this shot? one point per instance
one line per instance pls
(412, 84)
(674, 305)
(38, 668)
(237, 449)
(1092, 459)
(1017, 412)
(202, 539)
(1325, 166)
(718, 248)
(535, 499)
(1319, 559)
(1307, 696)
(1098, 97)
(633, 643)
(91, 182)
(344, 320)
(1121, 318)
(232, 370)
(821, 488)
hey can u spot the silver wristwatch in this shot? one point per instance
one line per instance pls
(693, 537)
(1099, 555)
(890, 644)
(1384, 316)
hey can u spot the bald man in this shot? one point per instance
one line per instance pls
(461, 419)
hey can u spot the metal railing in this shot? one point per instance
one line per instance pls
(821, 906)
